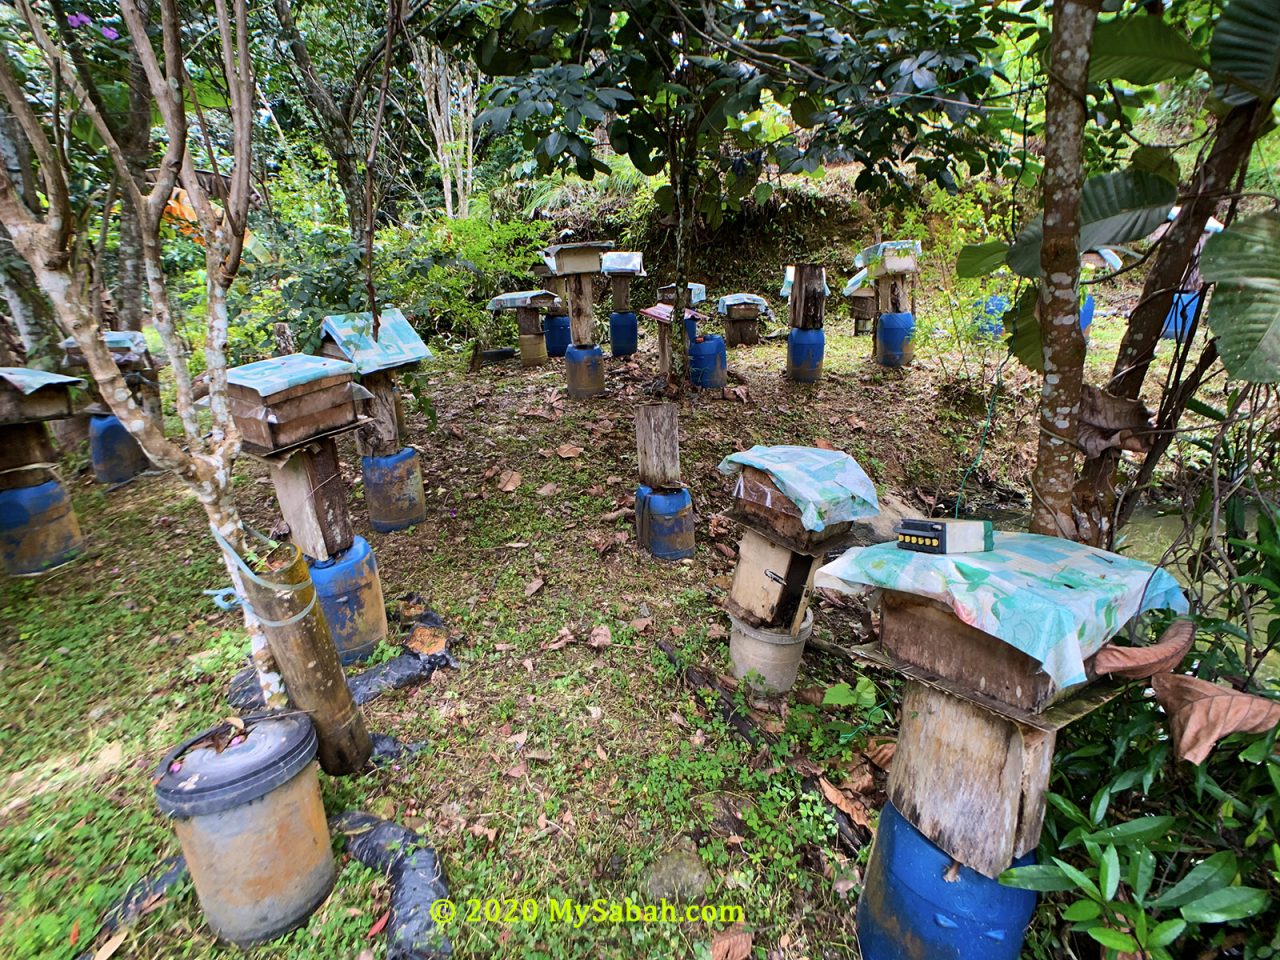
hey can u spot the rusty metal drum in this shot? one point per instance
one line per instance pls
(251, 824)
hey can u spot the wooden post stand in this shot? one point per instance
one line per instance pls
(582, 317)
(808, 302)
(658, 444)
(971, 781)
(26, 455)
(313, 499)
(380, 437)
(620, 284)
(286, 604)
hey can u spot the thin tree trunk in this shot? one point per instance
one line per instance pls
(1053, 479)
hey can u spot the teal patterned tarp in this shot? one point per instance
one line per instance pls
(28, 381)
(736, 299)
(398, 343)
(1055, 600)
(268, 377)
(828, 486)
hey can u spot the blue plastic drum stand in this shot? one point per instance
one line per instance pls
(807, 305)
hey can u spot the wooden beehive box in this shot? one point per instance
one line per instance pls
(757, 502)
(928, 635)
(128, 349)
(570, 258)
(284, 401)
(28, 396)
(743, 311)
(769, 582)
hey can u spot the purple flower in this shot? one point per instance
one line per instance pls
(111, 33)
(79, 20)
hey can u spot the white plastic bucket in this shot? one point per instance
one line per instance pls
(773, 655)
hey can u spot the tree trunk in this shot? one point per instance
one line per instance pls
(1059, 308)
(1095, 493)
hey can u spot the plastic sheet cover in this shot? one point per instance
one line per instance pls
(1055, 600)
(27, 381)
(398, 344)
(623, 262)
(269, 377)
(523, 298)
(827, 485)
(737, 299)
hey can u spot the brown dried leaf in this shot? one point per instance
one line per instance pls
(731, 944)
(600, 637)
(604, 757)
(109, 948)
(822, 444)
(519, 770)
(717, 632)
(726, 550)
(567, 451)
(510, 481)
(1202, 713)
(533, 586)
(641, 624)
(880, 751)
(855, 809)
(1136, 663)
(563, 639)
(548, 489)
(813, 696)
(378, 925)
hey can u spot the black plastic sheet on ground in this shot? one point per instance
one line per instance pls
(141, 895)
(387, 749)
(417, 882)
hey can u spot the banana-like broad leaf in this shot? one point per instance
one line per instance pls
(1244, 314)
(1244, 53)
(1142, 49)
(1114, 208)
(979, 259)
(1024, 329)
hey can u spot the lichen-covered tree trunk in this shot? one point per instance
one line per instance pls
(1054, 476)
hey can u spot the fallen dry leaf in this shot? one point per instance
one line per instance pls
(567, 451)
(641, 624)
(518, 771)
(731, 944)
(548, 489)
(880, 751)
(716, 632)
(1202, 713)
(843, 887)
(855, 809)
(1137, 663)
(378, 925)
(726, 550)
(109, 948)
(517, 739)
(533, 586)
(604, 757)
(510, 481)
(813, 696)
(543, 755)
(822, 444)
(563, 639)
(600, 637)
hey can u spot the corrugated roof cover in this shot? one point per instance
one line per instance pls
(28, 381)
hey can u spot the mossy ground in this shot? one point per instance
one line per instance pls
(112, 659)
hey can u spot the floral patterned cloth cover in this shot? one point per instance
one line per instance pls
(828, 486)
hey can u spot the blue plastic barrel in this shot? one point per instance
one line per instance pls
(113, 450)
(708, 362)
(990, 314)
(910, 908)
(805, 349)
(584, 369)
(1178, 322)
(557, 331)
(624, 332)
(664, 522)
(350, 594)
(894, 334)
(38, 528)
(1086, 315)
(393, 490)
